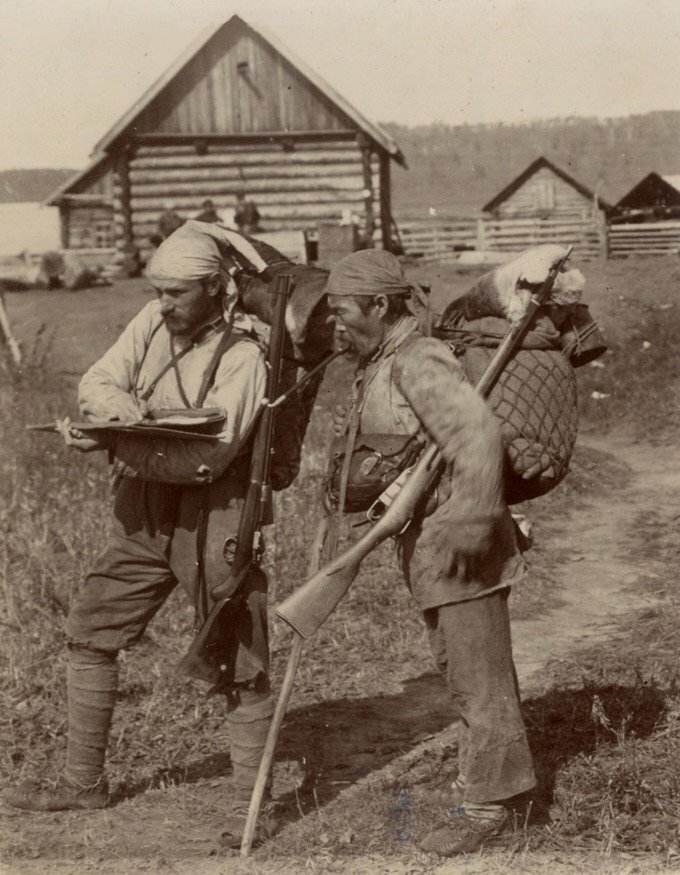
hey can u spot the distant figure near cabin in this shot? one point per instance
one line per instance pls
(168, 221)
(246, 215)
(208, 212)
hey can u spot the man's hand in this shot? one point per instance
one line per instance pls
(125, 408)
(129, 409)
(339, 419)
(461, 542)
(79, 440)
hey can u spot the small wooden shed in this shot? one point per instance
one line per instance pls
(655, 196)
(545, 204)
(647, 219)
(544, 189)
(236, 113)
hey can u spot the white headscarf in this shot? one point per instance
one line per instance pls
(198, 250)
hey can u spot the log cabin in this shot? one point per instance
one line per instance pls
(545, 204)
(236, 113)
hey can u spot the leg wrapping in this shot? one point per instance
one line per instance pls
(92, 683)
(248, 728)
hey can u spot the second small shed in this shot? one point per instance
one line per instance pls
(654, 197)
(545, 204)
(647, 219)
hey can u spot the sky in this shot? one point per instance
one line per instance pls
(70, 68)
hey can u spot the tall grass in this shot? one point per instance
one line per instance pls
(52, 523)
(54, 518)
(637, 382)
(55, 510)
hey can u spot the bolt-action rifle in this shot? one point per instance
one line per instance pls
(306, 609)
(205, 658)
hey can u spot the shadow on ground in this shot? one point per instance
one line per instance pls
(334, 743)
(563, 724)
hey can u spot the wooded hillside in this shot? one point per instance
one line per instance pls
(17, 186)
(458, 169)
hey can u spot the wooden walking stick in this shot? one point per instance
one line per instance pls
(281, 704)
(270, 746)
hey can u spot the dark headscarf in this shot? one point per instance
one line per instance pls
(368, 272)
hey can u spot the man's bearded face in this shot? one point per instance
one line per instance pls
(186, 304)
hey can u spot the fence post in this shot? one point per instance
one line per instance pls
(480, 244)
(603, 233)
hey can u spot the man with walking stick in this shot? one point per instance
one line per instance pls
(454, 532)
(459, 554)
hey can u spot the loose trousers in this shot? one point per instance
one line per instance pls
(156, 544)
(471, 645)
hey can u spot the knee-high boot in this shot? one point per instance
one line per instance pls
(248, 725)
(92, 684)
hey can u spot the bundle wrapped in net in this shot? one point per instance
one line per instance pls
(535, 398)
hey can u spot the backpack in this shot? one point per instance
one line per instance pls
(309, 339)
(535, 398)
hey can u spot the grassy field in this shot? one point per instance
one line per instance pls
(604, 726)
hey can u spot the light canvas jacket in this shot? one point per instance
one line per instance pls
(192, 485)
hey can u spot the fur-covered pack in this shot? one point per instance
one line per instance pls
(535, 397)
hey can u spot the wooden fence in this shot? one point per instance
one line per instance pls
(645, 238)
(438, 239)
(585, 232)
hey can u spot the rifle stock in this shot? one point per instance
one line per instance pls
(309, 606)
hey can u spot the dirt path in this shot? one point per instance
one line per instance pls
(597, 583)
(604, 544)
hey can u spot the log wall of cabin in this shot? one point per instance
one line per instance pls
(544, 193)
(87, 211)
(296, 189)
(87, 226)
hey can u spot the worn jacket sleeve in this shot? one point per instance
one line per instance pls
(105, 389)
(461, 424)
(239, 388)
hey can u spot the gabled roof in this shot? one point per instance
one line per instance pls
(128, 119)
(653, 181)
(534, 167)
(673, 181)
(64, 189)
